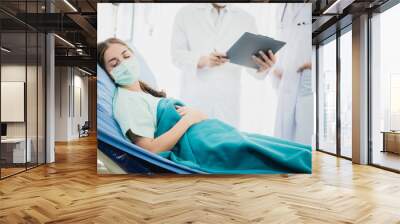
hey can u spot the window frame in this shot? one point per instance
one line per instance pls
(27, 29)
(379, 10)
(334, 37)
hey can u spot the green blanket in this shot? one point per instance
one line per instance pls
(215, 147)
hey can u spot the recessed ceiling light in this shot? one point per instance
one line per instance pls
(5, 50)
(84, 71)
(64, 40)
(70, 5)
(337, 7)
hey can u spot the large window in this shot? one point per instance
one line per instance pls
(385, 89)
(346, 93)
(335, 137)
(327, 96)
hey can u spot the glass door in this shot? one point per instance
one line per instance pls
(327, 96)
(13, 103)
(41, 97)
(32, 99)
(346, 93)
(385, 90)
(22, 77)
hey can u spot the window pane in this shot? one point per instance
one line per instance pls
(41, 98)
(31, 98)
(385, 114)
(327, 97)
(346, 94)
(13, 85)
(22, 85)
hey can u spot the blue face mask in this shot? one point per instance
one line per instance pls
(127, 72)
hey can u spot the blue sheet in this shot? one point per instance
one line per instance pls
(130, 157)
(215, 147)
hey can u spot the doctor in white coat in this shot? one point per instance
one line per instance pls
(202, 33)
(295, 120)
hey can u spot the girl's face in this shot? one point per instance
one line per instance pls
(114, 55)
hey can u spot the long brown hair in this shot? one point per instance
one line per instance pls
(102, 48)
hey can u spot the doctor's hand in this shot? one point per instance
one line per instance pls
(212, 60)
(278, 73)
(264, 62)
(304, 66)
(190, 115)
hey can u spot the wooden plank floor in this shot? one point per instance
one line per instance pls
(70, 191)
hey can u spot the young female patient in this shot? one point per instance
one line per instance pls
(135, 99)
(185, 135)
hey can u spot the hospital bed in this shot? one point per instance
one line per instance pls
(116, 153)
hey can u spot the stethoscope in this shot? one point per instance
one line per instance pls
(300, 23)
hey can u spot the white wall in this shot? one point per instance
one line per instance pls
(68, 81)
(61, 103)
(81, 83)
(34, 124)
(114, 21)
(12, 73)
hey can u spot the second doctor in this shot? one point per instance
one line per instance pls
(202, 33)
(293, 77)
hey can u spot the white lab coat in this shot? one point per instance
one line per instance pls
(215, 91)
(294, 117)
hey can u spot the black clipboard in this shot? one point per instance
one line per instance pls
(250, 44)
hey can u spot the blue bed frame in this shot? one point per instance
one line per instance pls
(111, 142)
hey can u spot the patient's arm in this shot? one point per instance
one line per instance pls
(168, 140)
(165, 141)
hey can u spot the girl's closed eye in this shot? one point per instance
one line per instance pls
(126, 56)
(114, 64)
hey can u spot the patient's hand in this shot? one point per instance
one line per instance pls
(190, 115)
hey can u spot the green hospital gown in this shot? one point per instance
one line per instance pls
(135, 111)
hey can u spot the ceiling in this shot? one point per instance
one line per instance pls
(76, 21)
(16, 42)
(332, 15)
